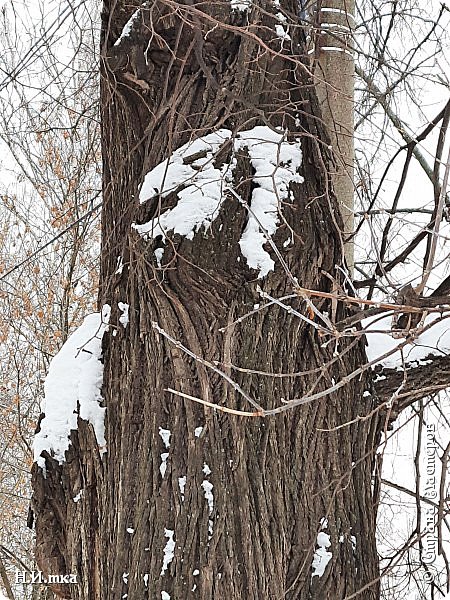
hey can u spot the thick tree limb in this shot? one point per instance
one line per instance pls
(415, 381)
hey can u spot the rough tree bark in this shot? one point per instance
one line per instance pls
(183, 71)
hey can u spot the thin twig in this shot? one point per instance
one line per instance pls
(208, 364)
(225, 409)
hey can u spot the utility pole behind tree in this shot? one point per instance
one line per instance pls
(335, 90)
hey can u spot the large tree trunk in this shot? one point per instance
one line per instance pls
(276, 481)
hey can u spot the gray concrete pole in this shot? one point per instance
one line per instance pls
(335, 72)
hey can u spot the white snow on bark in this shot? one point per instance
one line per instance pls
(182, 485)
(119, 269)
(72, 389)
(124, 318)
(127, 27)
(163, 465)
(282, 32)
(207, 488)
(276, 163)
(241, 5)
(201, 189)
(210, 528)
(435, 341)
(168, 550)
(165, 436)
(321, 556)
(172, 172)
(201, 195)
(76, 499)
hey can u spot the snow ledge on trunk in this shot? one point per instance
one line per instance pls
(72, 389)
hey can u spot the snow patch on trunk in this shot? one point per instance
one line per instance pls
(128, 27)
(198, 431)
(435, 341)
(72, 389)
(168, 550)
(321, 556)
(202, 193)
(163, 465)
(165, 436)
(182, 486)
(124, 318)
(241, 5)
(76, 499)
(201, 189)
(276, 163)
(207, 488)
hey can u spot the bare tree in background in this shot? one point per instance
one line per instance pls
(49, 238)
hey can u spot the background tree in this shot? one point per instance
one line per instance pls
(49, 238)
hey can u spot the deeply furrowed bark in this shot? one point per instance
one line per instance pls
(274, 480)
